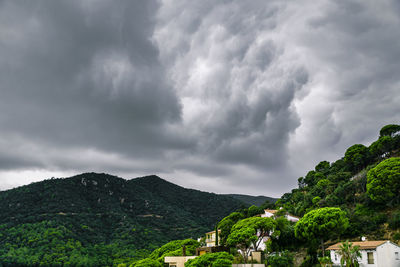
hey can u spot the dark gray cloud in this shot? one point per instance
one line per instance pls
(232, 96)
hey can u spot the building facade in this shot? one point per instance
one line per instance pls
(211, 238)
(382, 253)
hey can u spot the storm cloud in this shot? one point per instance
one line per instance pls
(228, 96)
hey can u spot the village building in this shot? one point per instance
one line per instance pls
(381, 253)
(272, 213)
(211, 238)
(177, 261)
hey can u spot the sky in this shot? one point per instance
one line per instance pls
(221, 96)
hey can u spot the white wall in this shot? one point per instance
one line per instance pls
(384, 256)
(364, 258)
(362, 261)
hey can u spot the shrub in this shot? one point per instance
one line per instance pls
(285, 259)
(219, 259)
(396, 236)
(394, 221)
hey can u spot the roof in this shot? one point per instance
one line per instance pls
(361, 244)
(271, 211)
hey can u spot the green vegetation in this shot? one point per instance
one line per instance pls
(343, 184)
(349, 254)
(383, 184)
(354, 196)
(226, 224)
(219, 259)
(321, 224)
(283, 259)
(173, 248)
(101, 220)
(249, 233)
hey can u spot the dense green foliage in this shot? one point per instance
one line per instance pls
(383, 185)
(283, 259)
(343, 184)
(219, 259)
(321, 224)
(226, 224)
(147, 263)
(173, 248)
(286, 239)
(390, 130)
(100, 220)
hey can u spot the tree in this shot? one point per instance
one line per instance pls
(383, 146)
(225, 225)
(174, 248)
(349, 254)
(286, 238)
(325, 261)
(254, 210)
(283, 259)
(390, 130)
(219, 259)
(321, 224)
(383, 181)
(147, 263)
(356, 157)
(249, 233)
(323, 167)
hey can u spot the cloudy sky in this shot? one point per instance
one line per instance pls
(222, 96)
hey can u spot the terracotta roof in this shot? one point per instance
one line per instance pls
(361, 244)
(271, 211)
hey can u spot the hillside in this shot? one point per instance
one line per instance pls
(253, 200)
(103, 213)
(373, 209)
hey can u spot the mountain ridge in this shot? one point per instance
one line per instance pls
(126, 218)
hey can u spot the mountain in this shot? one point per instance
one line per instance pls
(94, 213)
(253, 200)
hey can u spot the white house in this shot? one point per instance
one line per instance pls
(373, 254)
(270, 213)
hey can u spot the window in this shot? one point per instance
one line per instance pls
(335, 256)
(370, 256)
(397, 255)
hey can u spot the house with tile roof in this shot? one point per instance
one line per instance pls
(380, 253)
(271, 213)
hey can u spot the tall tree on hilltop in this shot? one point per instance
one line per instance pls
(321, 224)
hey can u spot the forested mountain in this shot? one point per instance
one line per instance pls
(98, 219)
(253, 200)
